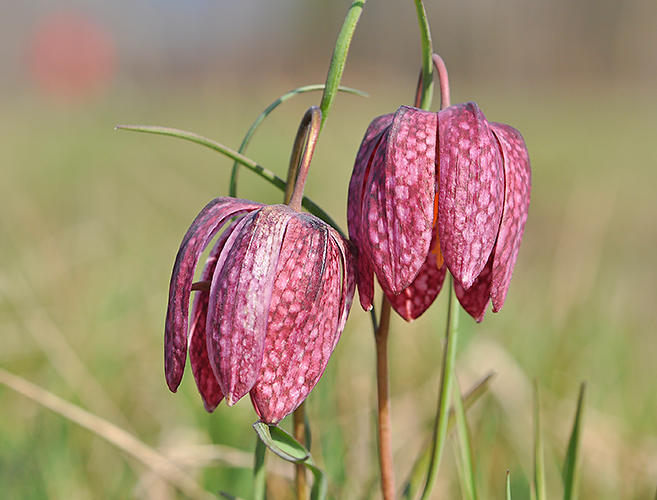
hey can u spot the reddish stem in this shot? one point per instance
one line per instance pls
(384, 413)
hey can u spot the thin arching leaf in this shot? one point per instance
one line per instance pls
(266, 174)
(571, 465)
(265, 113)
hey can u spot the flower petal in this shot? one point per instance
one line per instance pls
(516, 206)
(297, 353)
(471, 190)
(206, 381)
(475, 299)
(205, 226)
(240, 294)
(419, 295)
(398, 204)
(359, 178)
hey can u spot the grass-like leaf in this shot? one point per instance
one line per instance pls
(266, 174)
(247, 138)
(571, 465)
(281, 443)
(508, 485)
(418, 473)
(539, 460)
(259, 471)
(120, 438)
(464, 449)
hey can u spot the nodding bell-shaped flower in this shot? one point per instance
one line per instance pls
(436, 191)
(272, 302)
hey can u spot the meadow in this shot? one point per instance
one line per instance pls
(91, 219)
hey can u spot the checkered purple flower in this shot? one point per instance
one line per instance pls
(437, 191)
(272, 302)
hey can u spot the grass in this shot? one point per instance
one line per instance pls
(91, 219)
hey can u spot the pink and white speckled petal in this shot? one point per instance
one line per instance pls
(355, 215)
(304, 323)
(398, 204)
(240, 294)
(208, 222)
(516, 206)
(471, 190)
(347, 276)
(415, 299)
(206, 382)
(476, 298)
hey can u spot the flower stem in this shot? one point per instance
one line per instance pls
(299, 426)
(339, 58)
(302, 154)
(446, 382)
(427, 51)
(444, 81)
(384, 414)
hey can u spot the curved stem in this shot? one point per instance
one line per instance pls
(339, 58)
(384, 413)
(307, 135)
(446, 382)
(444, 81)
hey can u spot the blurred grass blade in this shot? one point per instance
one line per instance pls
(539, 459)
(464, 459)
(508, 485)
(571, 466)
(259, 471)
(266, 174)
(419, 471)
(247, 138)
(159, 464)
(339, 58)
(281, 443)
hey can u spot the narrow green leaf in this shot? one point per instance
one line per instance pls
(247, 138)
(281, 443)
(571, 468)
(539, 461)
(419, 471)
(266, 174)
(339, 58)
(464, 449)
(259, 471)
(508, 485)
(319, 490)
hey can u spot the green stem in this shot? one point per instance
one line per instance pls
(302, 154)
(427, 53)
(339, 58)
(446, 377)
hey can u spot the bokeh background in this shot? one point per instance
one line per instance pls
(91, 219)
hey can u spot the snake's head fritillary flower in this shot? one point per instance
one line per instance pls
(436, 191)
(270, 307)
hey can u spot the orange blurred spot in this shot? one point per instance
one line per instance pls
(72, 57)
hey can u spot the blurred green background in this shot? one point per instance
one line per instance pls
(91, 219)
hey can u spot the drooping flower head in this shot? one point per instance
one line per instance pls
(272, 302)
(437, 191)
